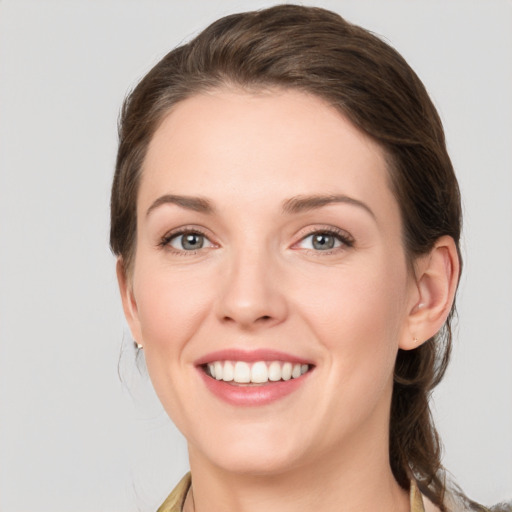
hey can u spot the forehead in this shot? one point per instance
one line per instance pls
(274, 144)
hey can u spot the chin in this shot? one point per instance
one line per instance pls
(260, 465)
(253, 454)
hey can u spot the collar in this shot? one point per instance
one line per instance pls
(175, 500)
(415, 498)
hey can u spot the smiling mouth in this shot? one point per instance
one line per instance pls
(256, 373)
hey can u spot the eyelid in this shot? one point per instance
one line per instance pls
(346, 239)
(165, 240)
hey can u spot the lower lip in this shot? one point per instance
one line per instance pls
(251, 395)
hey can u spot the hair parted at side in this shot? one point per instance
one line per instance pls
(316, 51)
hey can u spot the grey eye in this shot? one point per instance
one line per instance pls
(323, 241)
(188, 241)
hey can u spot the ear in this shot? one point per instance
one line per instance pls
(436, 279)
(128, 299)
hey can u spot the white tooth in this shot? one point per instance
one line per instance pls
(274, 371)
(259, 372)
(242, 372)
(303, 369)
(286, 371)
(218, 370)
(211, 369)
(296, 371)
(228, 372)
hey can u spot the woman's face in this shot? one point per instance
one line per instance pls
(269, 243)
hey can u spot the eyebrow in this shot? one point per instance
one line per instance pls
(295, 204)
(196, 204)
(299, 204)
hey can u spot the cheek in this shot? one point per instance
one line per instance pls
(171, 305)
(358, 317)
(358, 320)
(171, 308)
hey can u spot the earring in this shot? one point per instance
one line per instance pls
(138, 346)
(415, 340)
(419, 306)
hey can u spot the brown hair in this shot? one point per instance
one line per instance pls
(318, 52)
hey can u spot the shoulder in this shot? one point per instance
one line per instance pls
(175, 500)
(502, 507)
(456, 502)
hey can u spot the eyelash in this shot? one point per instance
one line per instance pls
(165, 242)
(347, 241)
(342, 236)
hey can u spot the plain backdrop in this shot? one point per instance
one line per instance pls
(72, 436)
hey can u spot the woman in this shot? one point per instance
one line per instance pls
(287, 222)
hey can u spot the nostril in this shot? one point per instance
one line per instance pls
(263, 319)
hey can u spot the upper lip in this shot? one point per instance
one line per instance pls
(249, 356)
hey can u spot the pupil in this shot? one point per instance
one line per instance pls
(323, 242)
(192, 241)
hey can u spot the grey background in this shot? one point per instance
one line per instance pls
(71, 435)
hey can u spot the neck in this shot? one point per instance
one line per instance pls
(340, 482)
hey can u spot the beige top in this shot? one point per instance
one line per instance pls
(175, 500)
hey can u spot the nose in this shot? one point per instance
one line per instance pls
(252, 295)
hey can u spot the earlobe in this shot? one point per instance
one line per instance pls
(437, 276)
(128, 301)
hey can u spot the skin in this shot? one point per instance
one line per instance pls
(258, 282)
